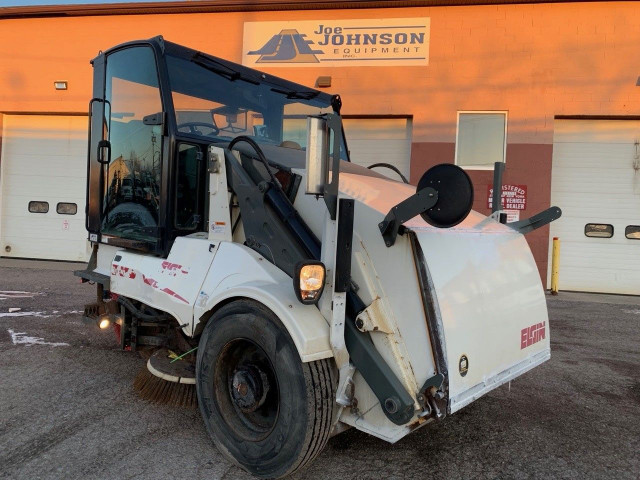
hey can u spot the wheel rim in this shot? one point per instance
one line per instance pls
(246, 389)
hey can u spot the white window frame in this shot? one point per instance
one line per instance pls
(504, 147)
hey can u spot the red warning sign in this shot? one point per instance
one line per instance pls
(514, 197)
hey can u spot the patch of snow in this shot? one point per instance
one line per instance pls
(17, 294)
(634, 312)
(17, 312)
(21, 338)
(26, 314)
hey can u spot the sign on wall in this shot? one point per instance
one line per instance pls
(514, 197)
(337, 43)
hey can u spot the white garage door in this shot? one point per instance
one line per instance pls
(380, 140)
(596, 183)
(42, 184)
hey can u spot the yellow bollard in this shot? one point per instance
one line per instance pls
(555, 265)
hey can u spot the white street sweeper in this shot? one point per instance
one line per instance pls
(297, 293)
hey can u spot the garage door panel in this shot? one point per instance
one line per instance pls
(54, 165)
(595, 175)
(18, 238)
(590, 282)
(31, 182)
(44, 221)
(593, 181)
(55, 172)
(36, 148)
(40, 248)
(605, 211)
(569, 235)
(578, 258)
(376, 128)
(31, 145)
(52, 191)
(43, 159)
(594, 131)
(380, 140)
(55, 233)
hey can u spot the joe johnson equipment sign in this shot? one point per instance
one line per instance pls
(384, 42)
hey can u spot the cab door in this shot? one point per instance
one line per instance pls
(126, 145)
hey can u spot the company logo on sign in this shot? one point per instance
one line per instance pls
(287, 46)
(532, 334)
(396, 41)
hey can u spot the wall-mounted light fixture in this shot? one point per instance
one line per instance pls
(60, 85)
(323, 82)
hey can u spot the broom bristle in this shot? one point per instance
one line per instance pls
(156, 390)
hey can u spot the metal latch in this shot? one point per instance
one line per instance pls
(214, 163)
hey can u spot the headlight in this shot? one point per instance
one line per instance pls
(308, 281)
(104, 321)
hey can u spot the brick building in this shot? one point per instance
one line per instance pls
(549, 88)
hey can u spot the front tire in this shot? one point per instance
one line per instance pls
(264, 409)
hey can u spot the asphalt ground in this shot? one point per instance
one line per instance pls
(68, 411)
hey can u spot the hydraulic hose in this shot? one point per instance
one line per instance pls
(140, 314)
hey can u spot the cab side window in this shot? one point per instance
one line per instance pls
(188, 214)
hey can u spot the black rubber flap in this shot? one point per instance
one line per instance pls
(455, 195)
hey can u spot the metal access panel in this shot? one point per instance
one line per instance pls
(42, 187)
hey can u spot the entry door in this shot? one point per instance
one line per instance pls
(596, 183)
(42, 187)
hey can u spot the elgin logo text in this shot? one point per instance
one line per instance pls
(532, 334)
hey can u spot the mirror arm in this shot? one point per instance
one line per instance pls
(417, 203)
(540, 220)
(154, 119)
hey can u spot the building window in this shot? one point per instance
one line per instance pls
(38, 207)
(64, 208)
(598, 230)
(632, 232)
(481, 139)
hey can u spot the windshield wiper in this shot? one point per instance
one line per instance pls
(220, 68)
(292, 94)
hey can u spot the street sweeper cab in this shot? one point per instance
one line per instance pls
(296, 293)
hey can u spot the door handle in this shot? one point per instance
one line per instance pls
(102, 146)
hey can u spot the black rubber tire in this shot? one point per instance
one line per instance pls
(306, 393)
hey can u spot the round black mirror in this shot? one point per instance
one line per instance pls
(455, 195)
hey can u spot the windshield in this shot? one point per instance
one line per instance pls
(213, 101)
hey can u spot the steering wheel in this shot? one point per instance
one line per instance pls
(194, 128)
